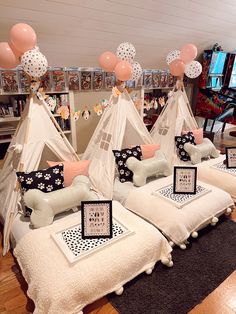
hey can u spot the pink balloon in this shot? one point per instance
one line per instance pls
(108, 61)
(123, 71)
(188, 53)
(8, 60)
(177, 67)
(23, 37)
(15, 51)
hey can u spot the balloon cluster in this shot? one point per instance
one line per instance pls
(122, 63)
(182, 62)
(22, 49)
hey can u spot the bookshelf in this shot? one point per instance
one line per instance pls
(12, 105)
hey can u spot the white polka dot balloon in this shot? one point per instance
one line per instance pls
(126, 52)
(34, 63)
(193, 69)
(173, 55)
(136, 71)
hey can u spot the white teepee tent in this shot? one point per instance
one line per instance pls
(176, 116)
(119, 127)
(35, 134)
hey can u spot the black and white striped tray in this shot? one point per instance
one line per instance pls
(180, 200)
(222, 167)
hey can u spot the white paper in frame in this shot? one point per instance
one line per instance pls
(230, 157)
(185, 180)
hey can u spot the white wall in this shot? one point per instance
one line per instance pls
(85, 128)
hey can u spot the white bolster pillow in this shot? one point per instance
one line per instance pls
(46, 205)
(142, 169)
(199, 151)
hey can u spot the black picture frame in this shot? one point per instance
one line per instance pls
(228, 161)
(193, 177)
(96, 208)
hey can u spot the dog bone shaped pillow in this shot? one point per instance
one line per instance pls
(46, 205)
(197, 152)
(143, 169)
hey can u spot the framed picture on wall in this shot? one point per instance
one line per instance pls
(110, 80)
(156, 78)
(185, 180)
(9, 81)
(86, 80)
(24, 81)
(58, 79)
(97, 80)
(147, 78)
(46, 81)
(96, 219)
(230, 157)
(73, 77)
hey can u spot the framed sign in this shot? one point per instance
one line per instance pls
(185, 180)
(230, 157)
(96, 219)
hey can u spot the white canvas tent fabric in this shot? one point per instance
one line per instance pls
(35, 132)
(119, 127)
(176, 116)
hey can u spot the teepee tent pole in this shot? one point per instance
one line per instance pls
(69, 146)
(24, 154)
(26, 137)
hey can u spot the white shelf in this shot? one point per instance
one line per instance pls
(13, 93)
(67, 132)
(57, 92)
(5, 140)
(10, 132)
(19, 93)
(9, 119)
(152, 88)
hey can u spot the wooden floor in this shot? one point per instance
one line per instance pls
(13, 298)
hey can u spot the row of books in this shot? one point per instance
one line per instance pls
(13, 107)
(78, 79)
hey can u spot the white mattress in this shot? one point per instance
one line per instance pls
(177, 224)
(21, 226)
(57, 286)
(222, 180)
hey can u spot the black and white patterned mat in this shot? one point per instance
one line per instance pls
(179, 200)
(74, 247)
(222, 167)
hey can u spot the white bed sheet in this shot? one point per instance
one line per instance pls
(56, 286)
(177, 224)
(220, 179)
(21, 226)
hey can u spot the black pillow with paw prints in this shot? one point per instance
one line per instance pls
(121, 156)
(180, 141)
(46, 180)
